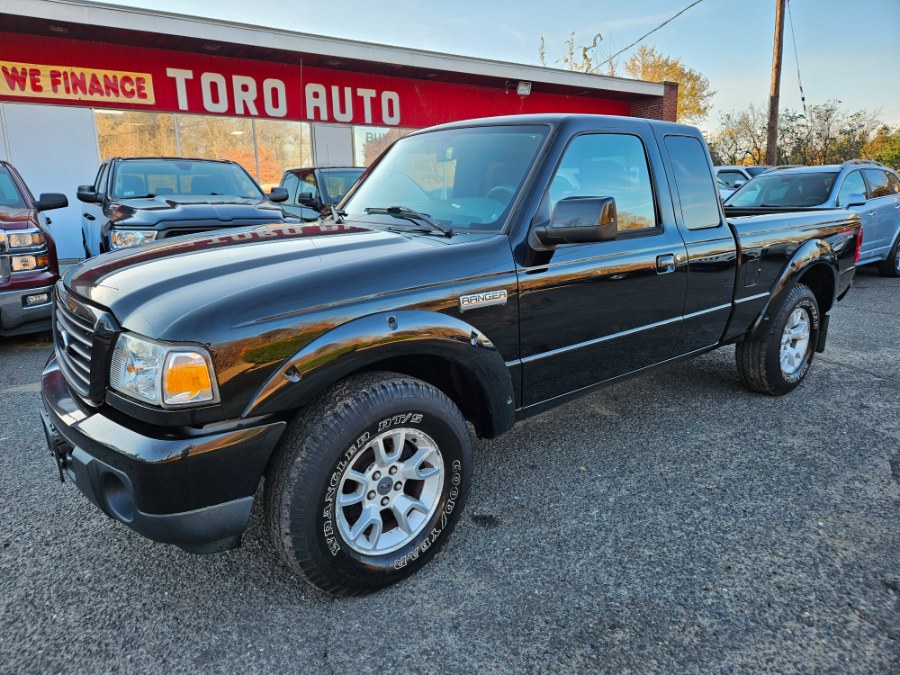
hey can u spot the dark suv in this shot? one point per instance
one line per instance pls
(140, 199)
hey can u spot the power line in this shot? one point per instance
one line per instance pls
(796, 58)
(667, 21)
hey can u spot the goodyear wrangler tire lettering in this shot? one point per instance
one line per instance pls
(367, 484)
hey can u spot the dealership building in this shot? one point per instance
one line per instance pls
(81, 82)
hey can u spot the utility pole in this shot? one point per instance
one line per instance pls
(772, 133)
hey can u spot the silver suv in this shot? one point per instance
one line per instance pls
(865, 187)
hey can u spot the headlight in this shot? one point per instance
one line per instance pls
(161, 374)
(125, 238)
(28, 239)
(28, 263)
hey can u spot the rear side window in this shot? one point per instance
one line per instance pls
(608, 165)
(895, 183)
(696, 189)
(853, 184)
(878, 183)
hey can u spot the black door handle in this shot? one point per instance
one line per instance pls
(88, 216)
(665, 263)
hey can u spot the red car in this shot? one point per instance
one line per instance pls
(28, 267)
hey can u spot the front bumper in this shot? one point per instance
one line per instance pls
(192, 491)
(16, 318)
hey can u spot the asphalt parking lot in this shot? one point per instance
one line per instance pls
(674, 522)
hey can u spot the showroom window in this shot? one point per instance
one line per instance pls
(208, 137)
(369, 142)
(281, 146)
(124, 133)
(266, 148)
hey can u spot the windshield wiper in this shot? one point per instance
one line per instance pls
(415, 216)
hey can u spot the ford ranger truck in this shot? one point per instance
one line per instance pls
(28, 265)
(480, 272)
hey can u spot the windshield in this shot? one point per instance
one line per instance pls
(337, 182)
(785, 190)
(466, 178)
(9, 195)
(153, 177)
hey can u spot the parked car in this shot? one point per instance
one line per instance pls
(736, 175)
(28, 266)
(724, 191)
(481, 272)
(867, 188)
(134, 200)
(313, 190)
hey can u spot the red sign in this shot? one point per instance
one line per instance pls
(101, 75)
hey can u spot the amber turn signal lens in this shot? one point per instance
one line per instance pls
(27, 263)
(186, 379)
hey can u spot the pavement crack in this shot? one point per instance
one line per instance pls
(841, 364)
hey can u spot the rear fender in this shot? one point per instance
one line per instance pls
(363, 343)
(811, 256)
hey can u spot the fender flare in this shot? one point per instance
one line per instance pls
(366, 341)
(813, 253)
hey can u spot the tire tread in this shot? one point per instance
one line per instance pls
(305, 443)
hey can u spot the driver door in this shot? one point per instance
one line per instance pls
(596, 311)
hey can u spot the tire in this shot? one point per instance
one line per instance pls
(336, 523)
(891, 266)
(778, 359)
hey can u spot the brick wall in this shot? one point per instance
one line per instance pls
(665, 108)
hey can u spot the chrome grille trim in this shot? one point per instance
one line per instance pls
(73, 337)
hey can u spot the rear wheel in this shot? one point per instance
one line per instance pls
(778, 359)
(891, 266)
(367, 484)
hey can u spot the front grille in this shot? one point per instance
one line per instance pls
(73, 332)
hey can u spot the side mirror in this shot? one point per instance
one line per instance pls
(87, 194)
(854, 199)
(278, 194)
(51, 200)
(580, 220)
(307, 199)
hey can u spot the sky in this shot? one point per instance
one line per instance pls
(847, 50)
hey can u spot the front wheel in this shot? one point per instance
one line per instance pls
(891, 266)
(777, 360)
(368, 482)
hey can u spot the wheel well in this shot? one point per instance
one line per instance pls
(820, 280)
(455, 381)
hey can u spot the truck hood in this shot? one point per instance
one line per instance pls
(199, 286)
(17, 219)
(196, 209)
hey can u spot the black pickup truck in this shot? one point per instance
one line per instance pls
(135, 200)
(480, 273)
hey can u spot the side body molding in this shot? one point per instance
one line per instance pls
(814, 253)
(385, 336)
